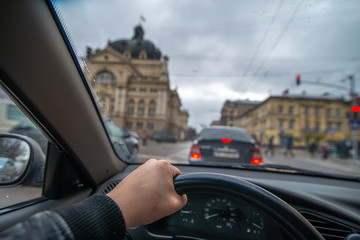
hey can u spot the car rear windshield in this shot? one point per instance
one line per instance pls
(233, 134)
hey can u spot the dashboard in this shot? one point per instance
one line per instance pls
(331, 205)
(218, 216)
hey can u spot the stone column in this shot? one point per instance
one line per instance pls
(161, 102)
(122, 99)
(116, 100)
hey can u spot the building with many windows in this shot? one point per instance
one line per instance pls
(131, 79)
(232, 110)
(304, 118)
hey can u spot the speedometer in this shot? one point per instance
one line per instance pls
(188, 215)
(221, 213)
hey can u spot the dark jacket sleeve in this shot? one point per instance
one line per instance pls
(97, 217)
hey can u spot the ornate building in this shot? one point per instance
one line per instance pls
(232, 110)
(304, 118)
(131, 78)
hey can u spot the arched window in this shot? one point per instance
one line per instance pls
(131, 104)
(127, 54)
(143, 55)
(141, 108)
(106, 78)
(152, 108)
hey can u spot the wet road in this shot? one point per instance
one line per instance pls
(179, 152)
(173, 152)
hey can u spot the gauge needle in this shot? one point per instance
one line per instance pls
(254, 224)
(210, 216)
(186, 212)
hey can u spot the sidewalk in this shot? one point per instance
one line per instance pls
(331, 161)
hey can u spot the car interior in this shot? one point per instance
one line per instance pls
(41, 74)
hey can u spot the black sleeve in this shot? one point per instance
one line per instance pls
(44, 225)
(97, 217)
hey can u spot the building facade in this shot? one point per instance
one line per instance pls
(232, 110)
(131, 80)
(305, 119)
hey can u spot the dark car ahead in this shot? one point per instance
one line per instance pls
(225, 144)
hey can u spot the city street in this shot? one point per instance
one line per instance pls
(302, 159)
(173, 152)
(179, 153)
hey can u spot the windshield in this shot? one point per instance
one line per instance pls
(284, 72)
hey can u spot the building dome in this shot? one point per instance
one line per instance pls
(136, 45)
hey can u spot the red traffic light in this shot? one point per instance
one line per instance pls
(355, 108)
(298, 78)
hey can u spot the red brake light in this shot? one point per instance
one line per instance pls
(256, 161)
(195, 148)
(195, 152)
(226, 140)
(195, 155)
(256, 157)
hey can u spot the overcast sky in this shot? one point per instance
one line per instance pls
(232, 49)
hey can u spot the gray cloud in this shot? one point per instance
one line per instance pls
(211, 43)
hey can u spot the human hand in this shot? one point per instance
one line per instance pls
(148, 194)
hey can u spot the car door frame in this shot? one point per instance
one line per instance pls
(41, 73)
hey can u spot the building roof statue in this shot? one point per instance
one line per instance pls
(138, 33)
(136, 45)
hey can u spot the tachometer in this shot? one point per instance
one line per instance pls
(254, 223)
(221, 213)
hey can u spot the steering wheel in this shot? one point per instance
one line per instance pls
(285, 215)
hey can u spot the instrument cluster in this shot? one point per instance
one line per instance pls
(221, 216)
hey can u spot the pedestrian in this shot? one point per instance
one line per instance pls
(288, 141)
(325, 149)
(312, 148)
(145, 136)
(270, 146)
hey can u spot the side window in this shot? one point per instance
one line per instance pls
(22, 155)
(13, 112)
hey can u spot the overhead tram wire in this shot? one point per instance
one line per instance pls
(239, 75)
(263, 39)
(279, 37)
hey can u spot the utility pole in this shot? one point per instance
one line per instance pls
(353, 96)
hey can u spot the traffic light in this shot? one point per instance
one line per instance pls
(355, 110)
(298, 79)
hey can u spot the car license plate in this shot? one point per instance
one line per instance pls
(228, 153)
